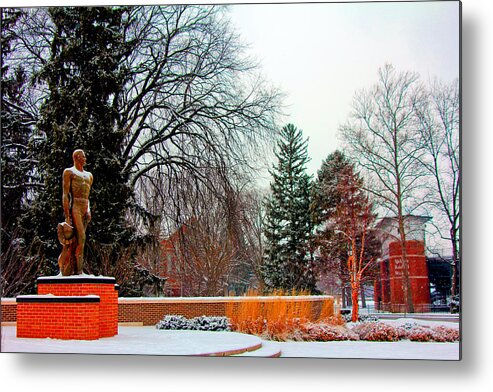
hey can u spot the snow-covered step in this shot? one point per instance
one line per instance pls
(268, 350)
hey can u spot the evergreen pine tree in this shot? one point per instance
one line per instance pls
(287, 263)
(16, 165)
(326, 195)
(85, 79)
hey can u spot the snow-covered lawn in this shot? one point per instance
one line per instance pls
(379, 350)
(403, 349)
(135, 340)
(150, 341)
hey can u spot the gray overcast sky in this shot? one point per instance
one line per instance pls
(321, 54)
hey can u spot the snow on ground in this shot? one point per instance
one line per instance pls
(430, 323)
(150, 341)
(135, 340)
(403, 349)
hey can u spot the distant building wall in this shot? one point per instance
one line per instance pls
(418, 276)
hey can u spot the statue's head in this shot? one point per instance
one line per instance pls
(79, 157)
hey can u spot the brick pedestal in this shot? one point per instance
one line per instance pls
(103, 287)
(69, 298)
(56, 317)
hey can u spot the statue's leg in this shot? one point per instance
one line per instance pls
(65, 260)
(78, 221)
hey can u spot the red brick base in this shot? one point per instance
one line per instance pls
(72, 307)
(48, 316)
(103, 287)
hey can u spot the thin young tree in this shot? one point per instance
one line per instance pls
(380, 136)
(331, 196)
(331, 253)
(352, 221)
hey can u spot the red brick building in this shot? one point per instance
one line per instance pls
(388, 287)
(172, 264)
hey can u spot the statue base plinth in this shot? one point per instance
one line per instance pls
(82, 307)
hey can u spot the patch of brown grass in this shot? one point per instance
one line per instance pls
(274, 317)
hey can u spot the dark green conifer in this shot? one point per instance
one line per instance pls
(85, 80)
(287, 262)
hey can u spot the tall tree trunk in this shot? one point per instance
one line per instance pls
(453, 236)
(354, 295)
(346, 297)
(363, 297)
(408, 299)
(343, 295)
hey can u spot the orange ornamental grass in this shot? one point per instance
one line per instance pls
(275, 316)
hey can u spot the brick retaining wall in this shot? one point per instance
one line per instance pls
(149, 311)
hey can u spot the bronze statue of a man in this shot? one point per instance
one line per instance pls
(75, 199)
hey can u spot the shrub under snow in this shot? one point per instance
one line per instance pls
(445, 334)
(364, 318)
(320, 332)
(174, 322)
(210, 323)
(439, 333)
(376, 332)
(202, 323)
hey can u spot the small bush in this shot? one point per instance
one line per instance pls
(210, 323)
(202, 323)
(410, 325)
(363, 318)
(445, 334)
(420, 334)
(173, 322)
(368, 318)
(402, 332)
(454, 303)
(404, 329)
(424, 333)
(333, 320)
(433, 334)
(376, 332)
(321, 332)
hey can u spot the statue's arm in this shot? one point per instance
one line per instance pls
(67, 178)
(89, 216)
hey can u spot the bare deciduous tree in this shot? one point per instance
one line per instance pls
(211, 237)
(381, 137)
(192, 103)
(439, 118)
(192, 100)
